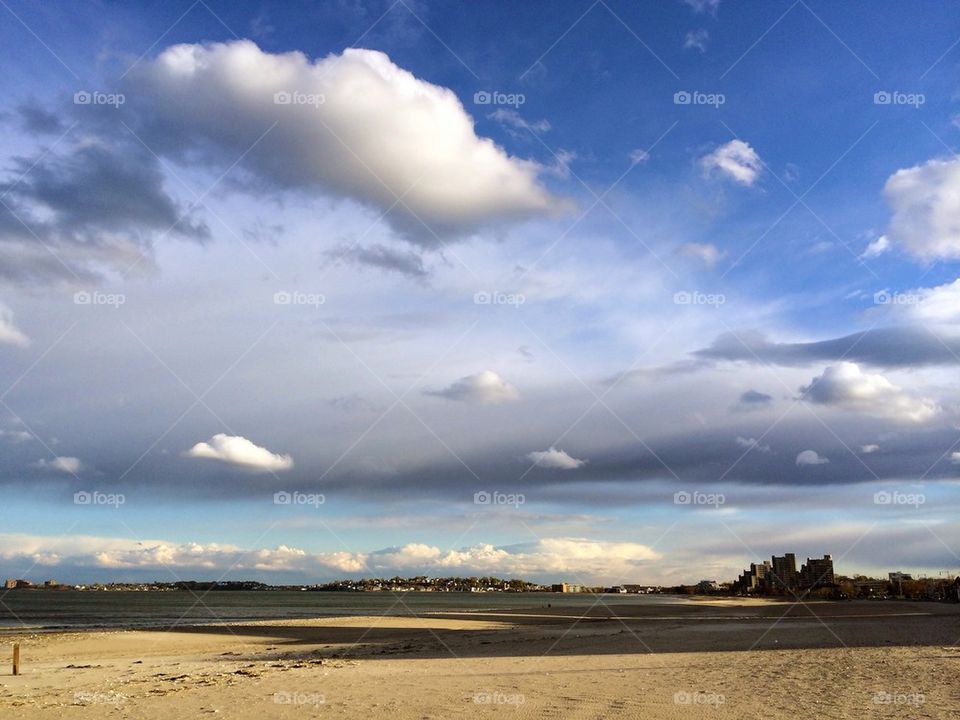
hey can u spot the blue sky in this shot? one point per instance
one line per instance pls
(208, 296)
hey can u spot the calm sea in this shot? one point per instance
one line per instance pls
(30, 610)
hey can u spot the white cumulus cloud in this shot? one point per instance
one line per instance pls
(549, 556)
(485, 388)
(752, 444)
(237, 450)
(354, 125)
(810, 457)
(938, 305)
(877, 248)
(554, 458)
(845, 385)
(69, 465)
(926, 209)
(737, 160)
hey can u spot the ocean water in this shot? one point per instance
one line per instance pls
(39, 610)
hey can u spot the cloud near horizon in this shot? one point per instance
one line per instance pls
(846, 386)
(579, 557)
(237, 450)
(810, 457)
(68, 465)
(485, 388)
(554, 458)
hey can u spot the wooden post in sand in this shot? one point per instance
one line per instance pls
(16, 658)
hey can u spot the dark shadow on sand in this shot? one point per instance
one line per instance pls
(622, 629)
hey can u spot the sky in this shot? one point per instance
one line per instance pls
(609, 292)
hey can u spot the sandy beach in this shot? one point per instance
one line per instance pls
(715, 659)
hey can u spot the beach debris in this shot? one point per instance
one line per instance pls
(87, 697)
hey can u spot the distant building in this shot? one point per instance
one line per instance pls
(817, 573)
(756, 579)
(780, 575)
(10, 584)
(51, 583)
(706, 587)
(784, 575)
(567, 588)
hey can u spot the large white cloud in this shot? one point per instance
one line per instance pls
(737, 160)
(485, 388)
(926, 209)
(939, 305)
(237, 450)
(354, 124)
(10, 334)
(846, 385)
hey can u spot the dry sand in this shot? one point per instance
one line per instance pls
(703, 659)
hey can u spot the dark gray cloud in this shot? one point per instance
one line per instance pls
(96, 204)
(755, 397)
(405, 262)
(680, 367)
(693, 461)
(36, 119)
(885, 347)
